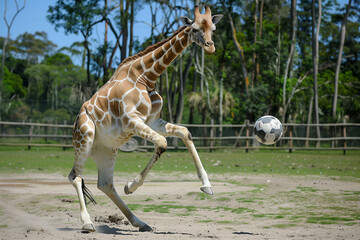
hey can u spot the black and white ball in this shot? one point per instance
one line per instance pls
(268, 130)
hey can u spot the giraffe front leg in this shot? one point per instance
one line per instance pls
(168, 129)
(144, 131)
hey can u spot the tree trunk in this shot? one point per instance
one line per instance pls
(291, 55)
(293, 31)
(253, 77)
(124, 28)
(131, 41)
(260, 32)
(221, 96)
(180, 105)
(191, 114)
(278, 58)
(211, 112)
(88, 55)
(202, 70)
(183, 74)
(309, 119)
(315, 56)
(168, 96)
(240, 50)
(338, 64)
(105, 46)
(8, 25)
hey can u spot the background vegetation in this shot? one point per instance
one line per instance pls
(266, 61)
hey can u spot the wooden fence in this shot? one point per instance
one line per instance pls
(334, 136)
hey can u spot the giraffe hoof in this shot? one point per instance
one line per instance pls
(207, 190)
(126, 190)
(88, 228)
(145, 228)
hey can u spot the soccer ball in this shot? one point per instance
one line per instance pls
(268, 130)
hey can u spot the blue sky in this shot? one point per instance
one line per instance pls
(33, 18)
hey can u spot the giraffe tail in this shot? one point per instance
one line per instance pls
(88, 197)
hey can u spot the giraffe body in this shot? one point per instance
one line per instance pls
(128, 105)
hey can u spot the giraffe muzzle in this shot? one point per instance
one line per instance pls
(209, 49)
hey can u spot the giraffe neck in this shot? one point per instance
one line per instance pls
(154, 63)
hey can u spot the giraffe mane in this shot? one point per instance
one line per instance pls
(151, 48)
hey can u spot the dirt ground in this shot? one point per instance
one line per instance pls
(44, 206)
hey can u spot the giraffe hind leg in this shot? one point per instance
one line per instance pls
(105, 160)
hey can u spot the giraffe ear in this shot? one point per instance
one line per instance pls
(216, 18)
(186, 21)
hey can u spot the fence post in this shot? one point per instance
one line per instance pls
(30, 135)
(344, 135)
(247, 135)
(290, 139)
(64, 133)
(46, 131)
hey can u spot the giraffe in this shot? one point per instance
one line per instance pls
(128, 105)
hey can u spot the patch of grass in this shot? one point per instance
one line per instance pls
(205, 221)
(241, 210)
(224, 222)
(352, 199)
(223, 199)
(328, 220)
(282, 226)
(200, 195)
(309, 189)
(160, 208)
(66, 196)
(183, 214)
(248, 199)
(3, 226)
(347, 193)
(261, 215)
(222, 208)
(52, 159)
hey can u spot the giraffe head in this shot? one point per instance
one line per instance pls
(202, 28)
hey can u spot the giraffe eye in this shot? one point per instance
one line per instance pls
(195, 30)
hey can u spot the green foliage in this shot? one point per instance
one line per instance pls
(32, 47)
(59, 115)
(58, 59)
(13, 85)
(74, 16)
(42, 84)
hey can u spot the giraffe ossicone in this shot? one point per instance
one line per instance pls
(128, 105)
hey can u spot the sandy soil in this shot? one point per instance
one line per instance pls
(44, 206)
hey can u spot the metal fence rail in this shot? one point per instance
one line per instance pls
(334, 136)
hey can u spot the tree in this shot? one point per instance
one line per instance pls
(291, 56)
(77, 16)
(32, 47)
(8, 25)
(315, 57)
(338, 64)
(240, 50)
